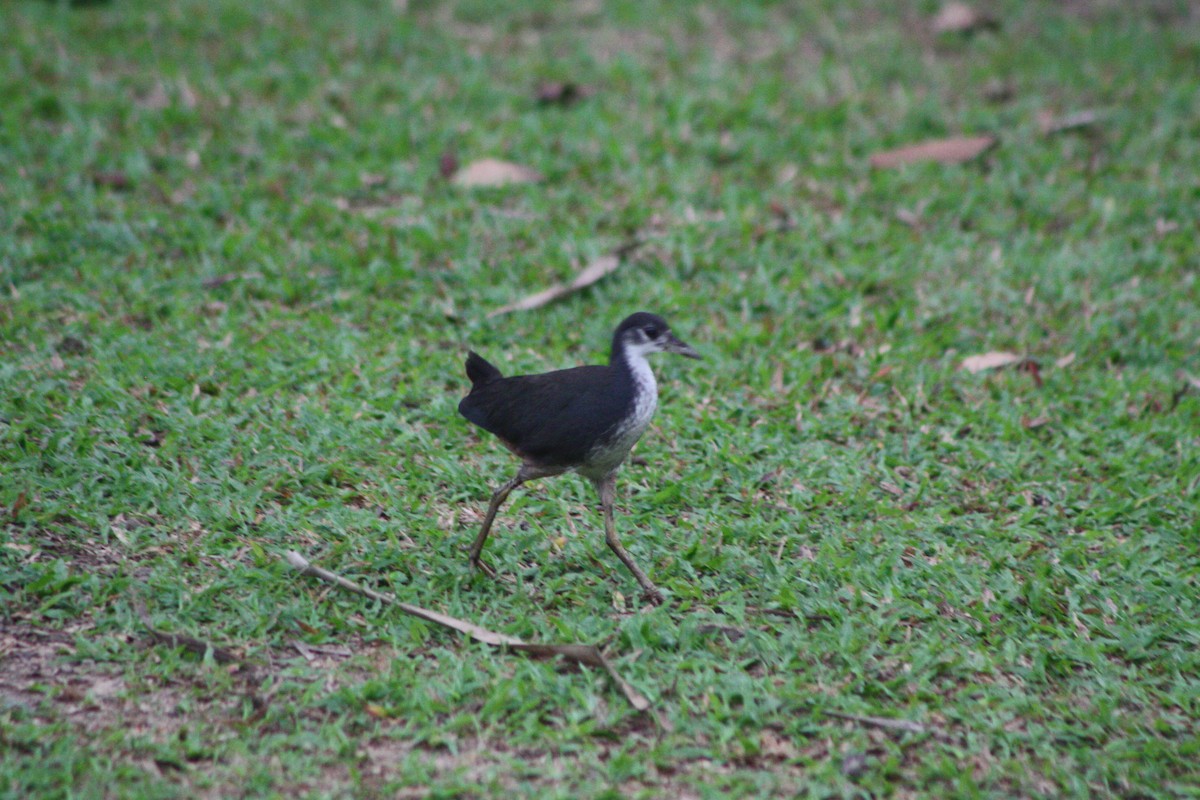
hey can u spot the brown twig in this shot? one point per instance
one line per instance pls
(198, 646)
(888, 723)
(586, 654)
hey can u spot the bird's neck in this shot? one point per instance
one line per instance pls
(632, 365)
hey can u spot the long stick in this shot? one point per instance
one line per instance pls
(587, 654)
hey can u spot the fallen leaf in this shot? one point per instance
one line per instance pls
(150, 438)
(494, 172)
(994, 360)
(156, 99)
(1035, 500)
(777, 384)
(774, 746)
(561, 93)
(953, 150)
(998, 91)
(113, 179)
(855, 764)
(887, 723)
(767, 478)
(961, 18)
(71, 346)
(1034, 370)
(1065, 361)
(105, 688)
(1164, 226)
(186, 96)
(1034, 423)
(447, 164)
(221, 280)
(593, 272)
(910, 218)
(1049, 123)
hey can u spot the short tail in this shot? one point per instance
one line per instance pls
(480, 370)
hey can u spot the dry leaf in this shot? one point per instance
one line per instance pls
(997, 90)
(1164, 226)
(961, 18)
(774, 746)
(882, 372)
(994, 360)
(1050, 124)
(953, 150)
(1065, 361)
(855, 764)
(70, 346)
(561, 93)
(777, 384)
(156, 99)
(910, 218)
(113, 179)
(494, 172)
(447, 164)
(1034, 370)
(590, 274)
(221, 280)
(187, 97)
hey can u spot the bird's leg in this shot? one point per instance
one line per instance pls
(498, 499)
(607, 488)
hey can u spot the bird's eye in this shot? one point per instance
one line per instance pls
(652, 331)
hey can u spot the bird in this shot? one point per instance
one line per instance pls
(583, 420)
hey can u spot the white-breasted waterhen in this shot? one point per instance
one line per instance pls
(582, 420)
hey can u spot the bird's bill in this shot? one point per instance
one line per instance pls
(676, 345)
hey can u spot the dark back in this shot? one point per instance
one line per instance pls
(555, 418)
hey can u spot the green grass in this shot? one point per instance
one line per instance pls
(235, 294)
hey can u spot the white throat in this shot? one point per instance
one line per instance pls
(609, 455)
(645, 387)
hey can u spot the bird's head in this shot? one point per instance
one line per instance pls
(644, 333)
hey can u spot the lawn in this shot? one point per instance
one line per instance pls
(238, 281)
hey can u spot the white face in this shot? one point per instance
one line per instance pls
(649, 338)
(654, 336)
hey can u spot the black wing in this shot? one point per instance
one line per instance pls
(554, 418)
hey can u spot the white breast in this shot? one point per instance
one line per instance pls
(608, 456)
(646, 394)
